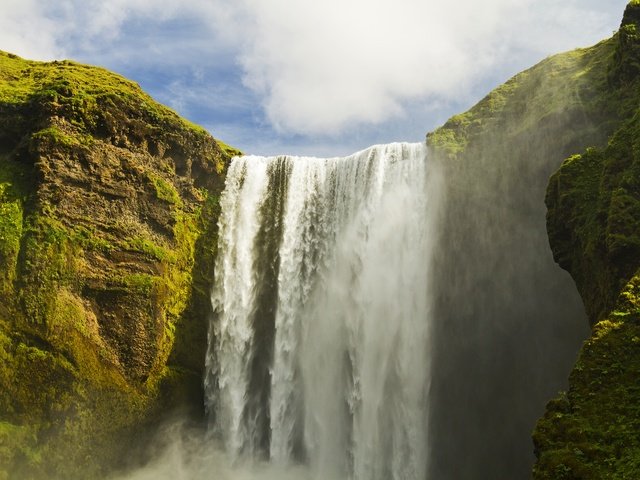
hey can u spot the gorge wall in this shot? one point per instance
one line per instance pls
(591, 430)
(506, 316)
(108, 234)
(108, 203)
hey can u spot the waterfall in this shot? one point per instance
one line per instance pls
(319, 349)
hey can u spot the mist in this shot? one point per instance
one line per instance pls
(503, 322)
(182, 451)
(508, 321)
(496, 323)
(319, 350)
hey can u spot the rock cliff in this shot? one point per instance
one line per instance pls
(507, 316)
(108, 203)
(593, 220)
(107, 234)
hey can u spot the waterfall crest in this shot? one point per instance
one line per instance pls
(319, 349)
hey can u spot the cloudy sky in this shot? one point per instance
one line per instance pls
(321, 77)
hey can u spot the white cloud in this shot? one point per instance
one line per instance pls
(46, 30)
(321, 67)
(24, 30)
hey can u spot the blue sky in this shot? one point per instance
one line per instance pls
(309, 77)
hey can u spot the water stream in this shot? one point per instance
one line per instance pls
(319, 349)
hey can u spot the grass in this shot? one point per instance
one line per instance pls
(165, 190)
(87, 97)
(12, 197)
(575, 79)
(81, 88)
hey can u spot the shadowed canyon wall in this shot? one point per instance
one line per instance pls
(509, 321)
(591, 431)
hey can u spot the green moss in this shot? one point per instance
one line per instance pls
(141, 283)
(593, 220)
(230, 151)
(175, 287)
(12, 197)
(99, 272)
(56, 135)
(165, 190)
(89, 239)
(190, 341)
(11, 214)
(81, 89)
(571, 81)
(16, 448)
(52, 261)
(149, 248)
(72, 388)
(593, 433)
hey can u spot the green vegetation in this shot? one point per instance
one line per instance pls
(79, 90)
(165, 191)
(108, 208)
(571, 83)
(11, 223)
(575, 80)
(89, 239)
(591, 431)
(57, 136)
(230, 151)
(581, 101)
(184, 359)
(148, 247)
(103, 194)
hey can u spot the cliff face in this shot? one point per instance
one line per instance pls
(591, 431)
(107, 235)
(107, 238)
(506, 315)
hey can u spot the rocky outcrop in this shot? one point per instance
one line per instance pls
(506, 315)
(593, 220)
(108, 203)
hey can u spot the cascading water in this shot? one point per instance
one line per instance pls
(319, 349)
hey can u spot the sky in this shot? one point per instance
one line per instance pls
(309, 77)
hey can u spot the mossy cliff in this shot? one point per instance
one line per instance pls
(506, 314)
(593, 430)
(107, 232)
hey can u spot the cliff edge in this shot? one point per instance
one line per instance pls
(107, 235)
(505, 314)
(593, 221)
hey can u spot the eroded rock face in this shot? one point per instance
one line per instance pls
(508, 322)
(593, 221)
(108, 203)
